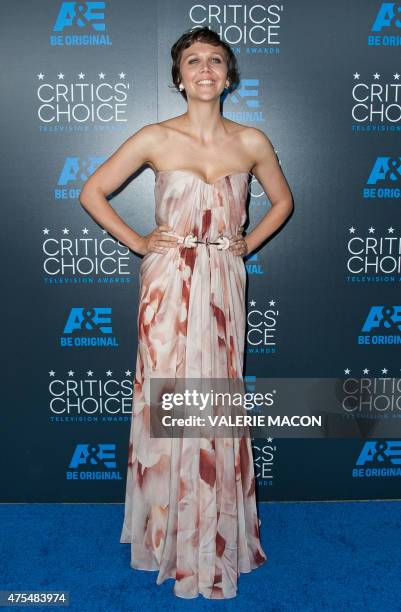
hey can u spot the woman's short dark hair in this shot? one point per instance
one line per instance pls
(211, 37)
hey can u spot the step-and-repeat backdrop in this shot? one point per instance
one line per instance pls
(322, 80)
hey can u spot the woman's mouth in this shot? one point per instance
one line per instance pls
(206, 82)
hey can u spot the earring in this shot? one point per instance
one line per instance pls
(181, 87)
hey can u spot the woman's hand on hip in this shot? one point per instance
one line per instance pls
(157, 241)
(238, 244)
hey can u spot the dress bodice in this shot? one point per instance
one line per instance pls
(187, 203)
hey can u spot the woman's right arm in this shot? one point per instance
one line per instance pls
(109, 176)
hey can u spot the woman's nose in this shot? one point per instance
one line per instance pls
(204, 65)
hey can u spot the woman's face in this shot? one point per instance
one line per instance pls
(203, 70)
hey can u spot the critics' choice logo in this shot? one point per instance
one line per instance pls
(381, 326)
(373, 258)
(372, 396)
(93, 462)
(383, 181)
(90, 398)
(253, 26)
(245, 104)
(264, 452)
(376, 103)
(80, 24)
(87, 326)
(85, 259)
(81, 102)
(263, 449)
(378, 459)
(262, 328)
(74, 172)
(258, 194)
(386, 28)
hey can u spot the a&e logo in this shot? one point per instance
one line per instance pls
(378, 458)
(93, 462)
(386, 26)
(384, 179)
(253, 265)
(384, 319)
(88, 327)
(73, 17)
(244, 103)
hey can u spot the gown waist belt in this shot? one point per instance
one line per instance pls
(221, 242)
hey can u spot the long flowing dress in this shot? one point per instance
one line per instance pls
(190, 507)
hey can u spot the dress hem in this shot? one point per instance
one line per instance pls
(252, 566)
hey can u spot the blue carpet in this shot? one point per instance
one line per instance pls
(322, 556)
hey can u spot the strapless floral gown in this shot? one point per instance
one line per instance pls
(190, 505)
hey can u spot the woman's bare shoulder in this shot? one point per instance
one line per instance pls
(247, 132)
(149, 131)
(148, 137)
(164, 131)
(250, 136)
(153, 139)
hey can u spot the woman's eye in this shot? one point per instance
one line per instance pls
(214, 59)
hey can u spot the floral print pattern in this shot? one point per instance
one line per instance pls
(190, 507)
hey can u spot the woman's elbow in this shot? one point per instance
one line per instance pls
(87, 192)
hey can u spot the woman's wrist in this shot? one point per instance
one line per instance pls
(249, 246)
(137, 245)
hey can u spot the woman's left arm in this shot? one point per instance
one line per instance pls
(267, 170)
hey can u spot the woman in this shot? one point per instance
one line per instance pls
(190, 506)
